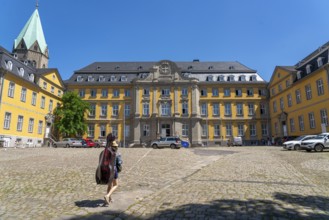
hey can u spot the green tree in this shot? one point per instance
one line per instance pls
(69, 116)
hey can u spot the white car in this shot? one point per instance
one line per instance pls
(317, 144)
(296, 143)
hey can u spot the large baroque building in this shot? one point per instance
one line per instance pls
(29, 90)
(206, 102)
(299, 96)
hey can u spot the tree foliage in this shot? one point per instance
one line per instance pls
(69, 116)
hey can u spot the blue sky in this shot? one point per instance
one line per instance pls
(260, 34)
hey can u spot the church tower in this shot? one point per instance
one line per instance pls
(30, 45)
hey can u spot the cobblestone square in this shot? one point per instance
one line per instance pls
(197, 183)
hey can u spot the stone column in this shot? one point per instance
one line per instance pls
(137, 102)
(154, 102)
(136, 123)
(176, 112)
(195, 101)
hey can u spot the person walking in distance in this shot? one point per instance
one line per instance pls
(112, 185)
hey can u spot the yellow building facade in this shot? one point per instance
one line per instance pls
(299, 99)
(206, 102)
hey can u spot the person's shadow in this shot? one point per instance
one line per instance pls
(90, 203)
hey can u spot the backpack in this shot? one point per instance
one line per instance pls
(105, 169)
(118, 162)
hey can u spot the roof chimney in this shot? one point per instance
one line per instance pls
(196, 60)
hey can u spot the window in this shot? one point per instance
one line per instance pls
(320, 61)
(93, 93)
(308, 68)
(253, 78)
(250, 92)
(43, 102)
(127, 110)
(91, 130)
(165, 92)
(102, 129)
(50, 105)
(280, 88)
(146, 130)
(92, 110)
(90, 78)
(221, 78)
(228, 110)
(146, 109)
(228, 129)
(11, 90)
(20, 123)
(203, 92)
(52, 89)
(289, 98)
(123, 78)
(115, 110)
(82, 93)
(324, 116)
(31, 125)
(275, 109)
(252, 128)
(273, 91)
(9, 65)
(230, 78)
(308, 92)
(204, 109)
(44, 85)
(184, 91)
(239, 109)
(146, 92)
(301, 123)
(215, 109)
(264, 129)
(127, 92)
(127, 130)
(116, 92)
(287, 83)
(185, 129)
(319, 85)
(262, 92)
(298, 98)
(281, 103)
(227, 92)
(23, 94)
(79, 79)
(214, 91)
(185, 108)
(299, 74)
(209, 78)
(20, 71)
(103, 110)
(238, 92)
(242, 78)
(204, 130)
(101, 78)
(311, 120)
(115, 130)
(165, 109)
(34, 98)
(292, 125)
(251, 109)
(216, 130)
(263, 109)
(113, 78)
(105, 93)
(240, 129)
(40, 125)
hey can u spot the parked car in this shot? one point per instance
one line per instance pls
(90, 143)
(317, 144)
(68, 142)
(295, 143)
(172, 142)
(100, 143)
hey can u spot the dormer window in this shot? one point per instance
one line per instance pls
(252, 78)
(230, 78)
(90, 78)
(210, 78)
(221, 78)
(9, 65)
(140, 68)
(186, 75)
(242, 78)
(117, 68)
(320, 61)
(210, 67)
(143, 75)
(113, 78)
(123, 78)
(299, 74)
(101, 78)
(231, 68)
(308, 68)
(190, 67)
(26, 62)
(98, 68)
(31, 77)
(20, 71)
(79, 79)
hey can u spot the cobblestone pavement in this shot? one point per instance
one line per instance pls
(198, 183)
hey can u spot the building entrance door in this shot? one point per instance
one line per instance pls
(165, 130)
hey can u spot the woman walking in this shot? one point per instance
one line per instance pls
(112, 185)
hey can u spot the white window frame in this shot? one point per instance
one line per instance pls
(23, 94)
(228, 127)
(34, 98)
(20, 121)
(92, 111)
(91, 130)
(43, 102)
(146, 108)
(311, 120)
(239, 109)
(102, 130)
(146, 130)
(204, 109)
(105, 93)
(165, 109)
(227, 92)
(298, 96)
(11, 90)
(308, 92)
(215, 92)
(115, 130)
(319, 85)
(40, 127)
(240, 129)
(184, 91)
(115, 110)
(51, 104)
(252, 128)
(82, 93)
(324, 117)
(127, 92)
(103, 110)
(228, 109)
(292, 125)
(185, 129)
(264, 129)
(116, 92)
(215, 109)
(301, 122)
(127, 110)
(216, 130)
(185, 108)
(127, 130)
(289, 98)
(31, 125)
(251, 109)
